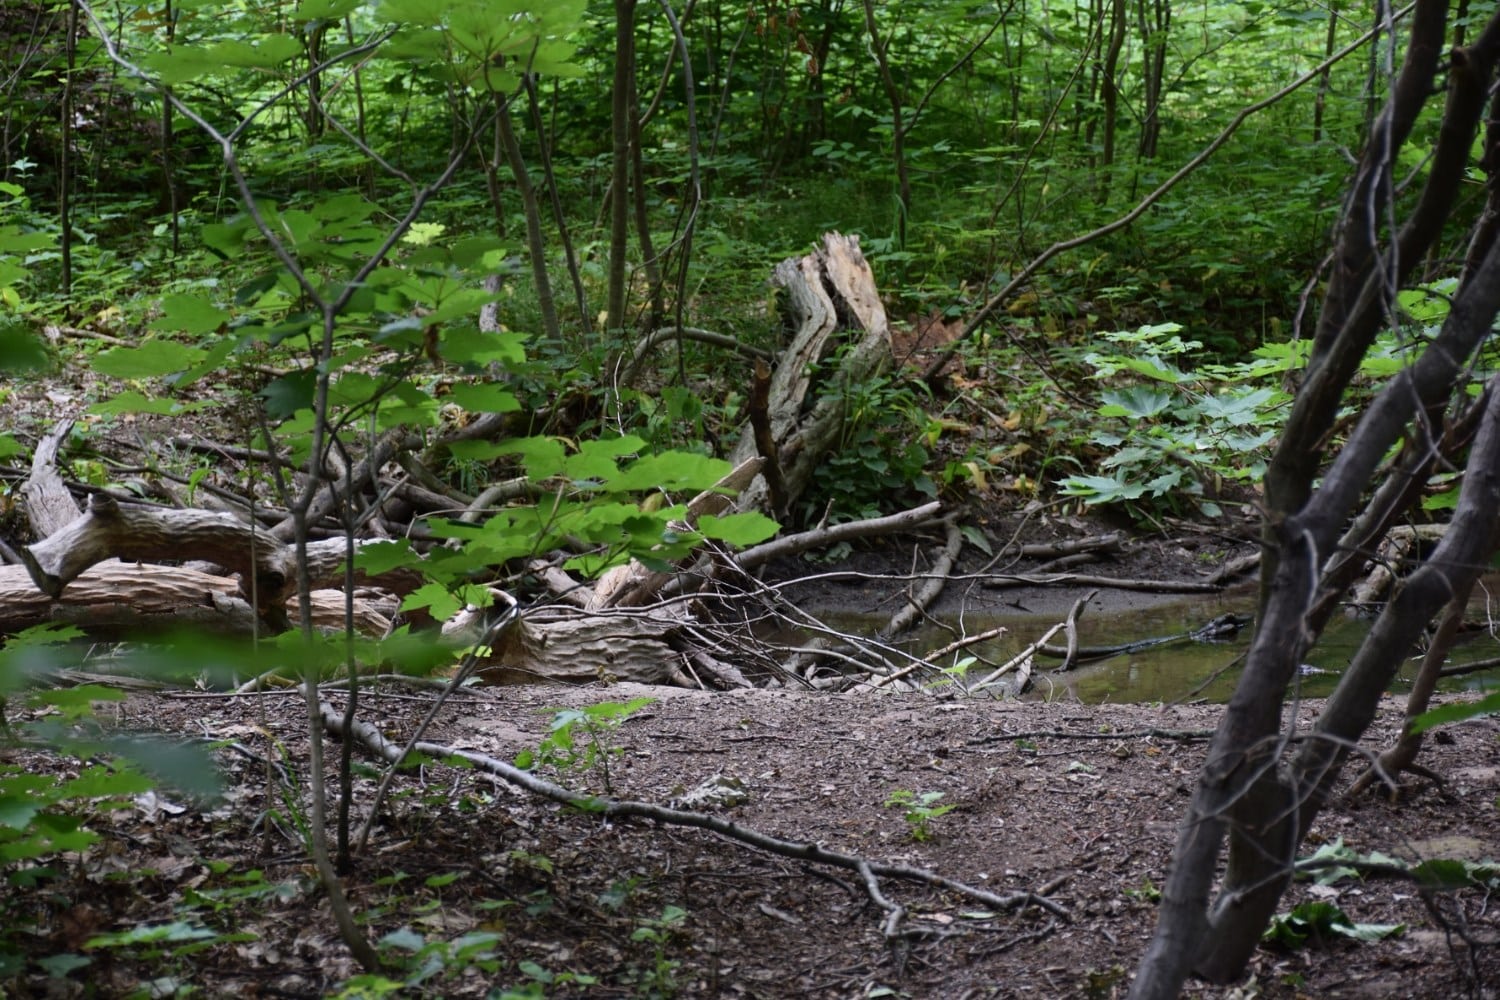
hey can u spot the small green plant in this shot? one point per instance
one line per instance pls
(1318, 922)
(884, 454)
(577, 738)
(920, 809)
(424, 961)
(660, 978)
(171, 944)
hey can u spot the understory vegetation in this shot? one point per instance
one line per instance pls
(492, 293)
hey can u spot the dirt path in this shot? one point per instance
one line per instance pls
(1042, 802)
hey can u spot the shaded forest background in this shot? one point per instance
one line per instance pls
(469, 300)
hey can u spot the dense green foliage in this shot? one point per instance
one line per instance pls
(275, 222)
(980, 136)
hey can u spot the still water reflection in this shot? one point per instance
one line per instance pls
(1184, 670)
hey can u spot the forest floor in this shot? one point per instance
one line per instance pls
(1077, 804)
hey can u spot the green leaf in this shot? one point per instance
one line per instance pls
(742, 529)
(383, 556)
(20, 351)
(466, 345)
(77, 702)
(182, 63)
(542, 456)
(131, 401)
(286, 395)
(325, 10)
(670, 470)
(1443, 874)
(435, 597)
(16, 811)
(153, 358)
(104, 782)
(977, 538)
(1457, 712)
(185, 767)
(405, 939)
(596, 459)
(1136, 402)
(189, 314)
(487, 398)
(1100, 489)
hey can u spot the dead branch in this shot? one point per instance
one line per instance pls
(116, 598)
(914, 519)
(1070, 657)
(1112, 542)
(375, 741)
(627, 373)
(1235, 568)
(1021, 663)
(49, 505)
(1004, 580)
(917, 603)
(112, 529)
(929, 659)
(1152, 733)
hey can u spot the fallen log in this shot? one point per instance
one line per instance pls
(116, 599)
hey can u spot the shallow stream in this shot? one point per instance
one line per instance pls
(1181, 670)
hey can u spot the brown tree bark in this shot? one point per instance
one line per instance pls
(1247, 789)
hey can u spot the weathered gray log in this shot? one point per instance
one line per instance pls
(129, 531)
(49, 505)
(116, 599)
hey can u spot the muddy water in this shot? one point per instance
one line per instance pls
(1180, 670)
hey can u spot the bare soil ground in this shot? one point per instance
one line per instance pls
(1077, 804)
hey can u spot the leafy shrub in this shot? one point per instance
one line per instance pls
(1173, 438)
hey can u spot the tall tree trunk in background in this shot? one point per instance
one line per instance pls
(1320, 102)
(536, 245)
(65, 154)
(559, 217)
(881, 51)
(1252, 788)
(621, 113)
(366, 166)
(491, 166)
(1109, 91)
(1155, 22)
(649, 261)
(170, 200)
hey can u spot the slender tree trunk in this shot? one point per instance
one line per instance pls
(621, 113)
(642, 213)
(881, 51)
(491, 166)
(170, 201)
(1110, 92)
(536, 247)
(65, 155)
(1249, 788)
(1329, 41)
(366, 167)
(559, 217)
(1155, 21)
